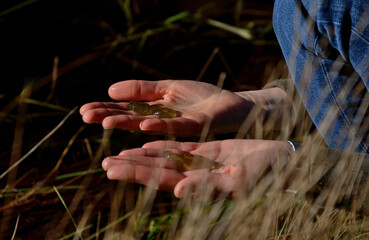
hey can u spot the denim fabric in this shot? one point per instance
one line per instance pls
(326, 47)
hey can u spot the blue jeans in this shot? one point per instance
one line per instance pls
(326, 47)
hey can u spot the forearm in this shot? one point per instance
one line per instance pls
(270, 99)
(270, 106)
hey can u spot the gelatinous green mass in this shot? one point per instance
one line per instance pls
(186, 162)
(160, 110)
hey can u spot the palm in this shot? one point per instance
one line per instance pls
(243, 162)
(225, 152)
(195, 102)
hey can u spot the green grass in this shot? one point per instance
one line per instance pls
(78, 232)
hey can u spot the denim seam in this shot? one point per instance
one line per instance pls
(356, 32)
(357, 138)
(360, 36)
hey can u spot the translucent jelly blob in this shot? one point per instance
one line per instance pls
(187, 162)
(159, 110)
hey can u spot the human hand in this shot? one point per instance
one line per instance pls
(243, 163)
(194, 102)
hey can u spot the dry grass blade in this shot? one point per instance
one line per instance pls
(69, 236)
(244, 33)
(46, 105)
(177, 17)
(88, 211)
(54, 78)
(109, 226)
(80, 173)
(39, 143)
(126, 8)
(15, 227)
(66, 150)
(78, 197)
(47, 79)
(205, 130)
(206, 66)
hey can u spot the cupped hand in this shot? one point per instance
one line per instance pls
(195, 104)
(242, 163)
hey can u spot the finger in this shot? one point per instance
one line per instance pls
(123, 121)
(179, 126)
(139, 90)
(136, 160)
(94, 105)
(99, 114)
(210, 150)
(161, 178)
(183, 146)
(203, 181)
(142, 152)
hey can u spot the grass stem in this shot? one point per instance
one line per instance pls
(38, 144)
(15, 228)
(70, 215)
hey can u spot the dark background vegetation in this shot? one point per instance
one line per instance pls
(81, 39)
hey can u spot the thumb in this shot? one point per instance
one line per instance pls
(201, 181)
(194, 180)
(138, 90)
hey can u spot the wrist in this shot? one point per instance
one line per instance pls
(272, 105)
(269, 98)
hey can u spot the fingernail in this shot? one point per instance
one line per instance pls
(105, 164)
(106, 124)
(110, 174)
(86, 118)
(142, 125)
(148, 123)
(178, 192)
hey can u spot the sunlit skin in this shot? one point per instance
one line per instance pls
(243, 162)
(194, 101)
(185, 162)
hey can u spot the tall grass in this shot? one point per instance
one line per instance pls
(55, 189)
